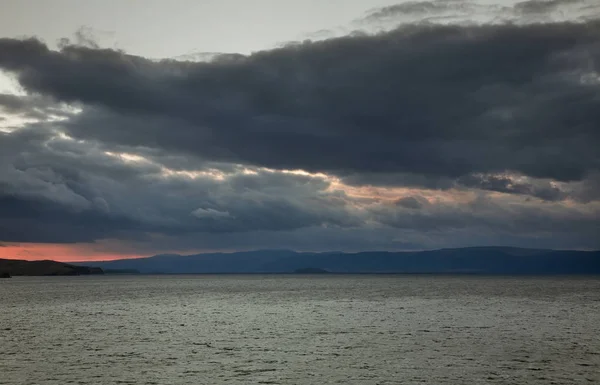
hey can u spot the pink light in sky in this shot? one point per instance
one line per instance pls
(78, 252)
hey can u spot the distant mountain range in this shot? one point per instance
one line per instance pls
(15, 267)
(473, 260)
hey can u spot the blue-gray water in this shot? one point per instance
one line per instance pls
(299, 330)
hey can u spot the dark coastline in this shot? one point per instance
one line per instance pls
(16, 267)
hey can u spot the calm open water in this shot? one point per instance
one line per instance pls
(299, 330)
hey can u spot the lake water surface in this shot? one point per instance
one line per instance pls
(274, 329)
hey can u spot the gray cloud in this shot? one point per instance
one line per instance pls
(484, 215)
(32, 106)
(48, 179)
(12, 103)
(210, 213)
(544, 6)
(47, 196)
(370, 104)
(506, 111)
(473, 12)
(409, 203)
(421, 9)
(535, 188)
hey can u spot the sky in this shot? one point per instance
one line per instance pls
(136, 128)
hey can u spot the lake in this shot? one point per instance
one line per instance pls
(293, 329)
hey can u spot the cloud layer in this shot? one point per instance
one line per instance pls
(420, 136)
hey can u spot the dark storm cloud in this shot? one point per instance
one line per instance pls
(61, 190)
(443, 101)
(446, 11)
(409, 203)
(52, 193)
(36, 107)
(55, 189)
(419, 8)
(11, 103)
(481, 222)
(502, 108)
(486, 215)
(589, 189)
(390, 179)
(28, 220)
(583, 191)
(544, 6)
(540, 189)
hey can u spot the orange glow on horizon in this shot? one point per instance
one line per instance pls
(59, 252)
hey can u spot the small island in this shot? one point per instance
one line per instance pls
(16, 267)
(121, 271)
(311, 270)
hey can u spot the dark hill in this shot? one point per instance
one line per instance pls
(311, 270)
(473, 260)
(14, 267)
